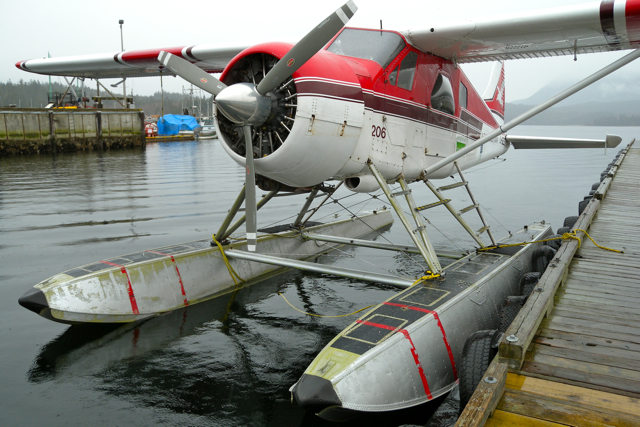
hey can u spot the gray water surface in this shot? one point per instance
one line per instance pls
(228, 361)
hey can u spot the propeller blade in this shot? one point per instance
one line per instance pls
(191, 73)
(250, 192)
(306, 48)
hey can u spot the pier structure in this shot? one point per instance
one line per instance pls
(572, 355)
(41, 130)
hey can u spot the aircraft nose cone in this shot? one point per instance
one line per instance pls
(34, 300)
(313, 392)
(242, 104)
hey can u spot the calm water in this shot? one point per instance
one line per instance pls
(229, 361)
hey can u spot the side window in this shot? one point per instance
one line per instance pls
(462, 96)
(407, 71)
(392, 77)
(442, 95)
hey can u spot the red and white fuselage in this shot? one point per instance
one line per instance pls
(350, 111)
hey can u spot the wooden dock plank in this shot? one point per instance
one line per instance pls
(578, 275)
(588, 339)
(562, 412)
(611, 320)
(573, 305)
(590, 267)
(589, 352)
(613, 295)
(572, 282)
(577, 395)
(555, 319)
(603, 289)
(594, 331)
(587, 373)
(607, 304)
(501, 418)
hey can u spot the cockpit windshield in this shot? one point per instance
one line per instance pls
(379, 46)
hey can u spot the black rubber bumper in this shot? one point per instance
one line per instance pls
(34, 300)
(316, 393)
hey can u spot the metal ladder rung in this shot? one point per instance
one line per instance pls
(401, 193)
(483, 229)
(456, 185)
(467, 209)
(432, 205)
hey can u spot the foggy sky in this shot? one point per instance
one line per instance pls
(31, 28)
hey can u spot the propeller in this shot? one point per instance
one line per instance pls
(249, 104)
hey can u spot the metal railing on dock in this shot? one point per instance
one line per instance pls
(572, 355)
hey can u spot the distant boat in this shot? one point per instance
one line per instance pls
(208, 128)
(173, 124)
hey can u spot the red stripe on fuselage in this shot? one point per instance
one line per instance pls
(414, 352)
(632, 19)
(330, 89)
(132, 297)
(444, 334)
(607, 23)
(175, 264)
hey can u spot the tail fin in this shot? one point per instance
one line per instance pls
(494, 93)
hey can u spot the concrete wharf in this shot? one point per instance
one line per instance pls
(572, 355)
(43, 130)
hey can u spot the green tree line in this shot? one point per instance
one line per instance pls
(35, 94)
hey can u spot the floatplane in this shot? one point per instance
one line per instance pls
(367, 109)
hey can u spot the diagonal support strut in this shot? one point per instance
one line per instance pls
(419, 235)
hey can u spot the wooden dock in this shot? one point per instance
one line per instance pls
(573, 357)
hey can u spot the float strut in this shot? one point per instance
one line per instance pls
(419, 235)
(241, 221)
(305, 208)
(232, 213)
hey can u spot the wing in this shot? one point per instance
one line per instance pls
(594, 27)
(135, 63)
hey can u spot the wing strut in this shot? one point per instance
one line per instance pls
(535, 111)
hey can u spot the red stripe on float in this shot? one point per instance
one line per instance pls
(175, 264)
(444, 334)
(132, 297)
(414, 352)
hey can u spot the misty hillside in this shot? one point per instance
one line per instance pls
(617, 87)
(612, 101)
(622, 113)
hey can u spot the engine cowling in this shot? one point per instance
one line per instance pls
(314, 124)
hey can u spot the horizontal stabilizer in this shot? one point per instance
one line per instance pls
(535, 142)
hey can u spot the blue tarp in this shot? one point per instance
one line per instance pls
(171, 124)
